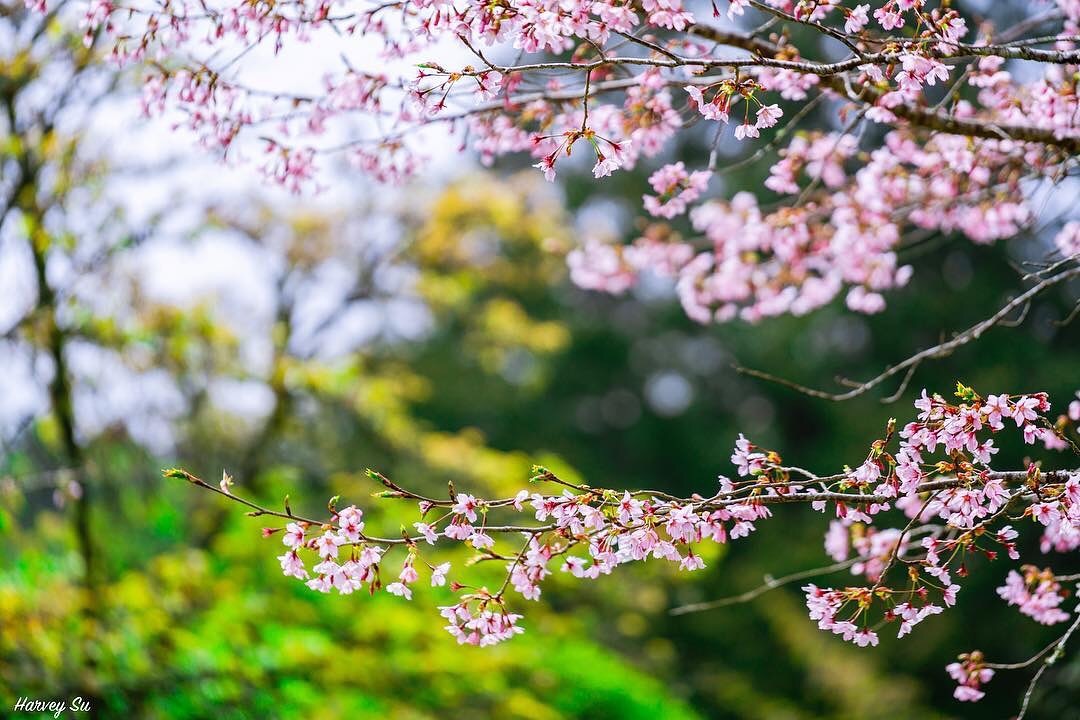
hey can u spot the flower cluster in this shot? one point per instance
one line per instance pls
(472, 623)
(610, 529)
(970, 674)
(1037, 593)
(675, 189)
(766, 116)
(964, 508)
(754, 264)
(938, 480)
(618, 81)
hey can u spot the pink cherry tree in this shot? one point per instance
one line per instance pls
(883, 122)
(920, 512)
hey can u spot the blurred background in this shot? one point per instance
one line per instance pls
(158, 309)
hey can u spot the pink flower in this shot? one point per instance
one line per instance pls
(859, 300)
(293, 536)
(925, 405)
(746, 130)
(836, 541)
(744, 459)
(466, 505)
(857, 19)
(604, 166)
(1036, 593)
(629, 510)
(888, 19)
(865, 637)
(399, 589)
(1023, 410)
(970, 675)
(472, 626)
(321, 583)
(600, 266)
(997, 407)
(984, 451)
(459, 531)
(427, 531)
(547, 165)
(717, 109)
(350, 525)
(438, 574)
(292, 565)
(327, 545)
(1045, 512)
(1072, 490)
(676, 189)
(695, 94)
(767, 115)
(481, 541)
(408, 574)
(574, 565)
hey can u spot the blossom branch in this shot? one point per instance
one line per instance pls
(954, 507)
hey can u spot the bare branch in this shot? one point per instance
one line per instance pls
(931, 353)
(769, 584)
(1057, 651)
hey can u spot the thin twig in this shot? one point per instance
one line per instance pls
(931, 353)
(769, 584)
(1058, 651)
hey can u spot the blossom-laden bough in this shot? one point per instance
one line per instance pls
(978, 120)
(935, 472)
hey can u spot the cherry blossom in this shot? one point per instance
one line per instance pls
(617, 83)
(1036, 593)
(970, 674)
(911, 519)
(438, 574)
(924, 126)
(675, 189)
(293, 537)
(857, 19)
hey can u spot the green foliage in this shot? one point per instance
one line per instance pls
(519, 374)
(217, 631)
